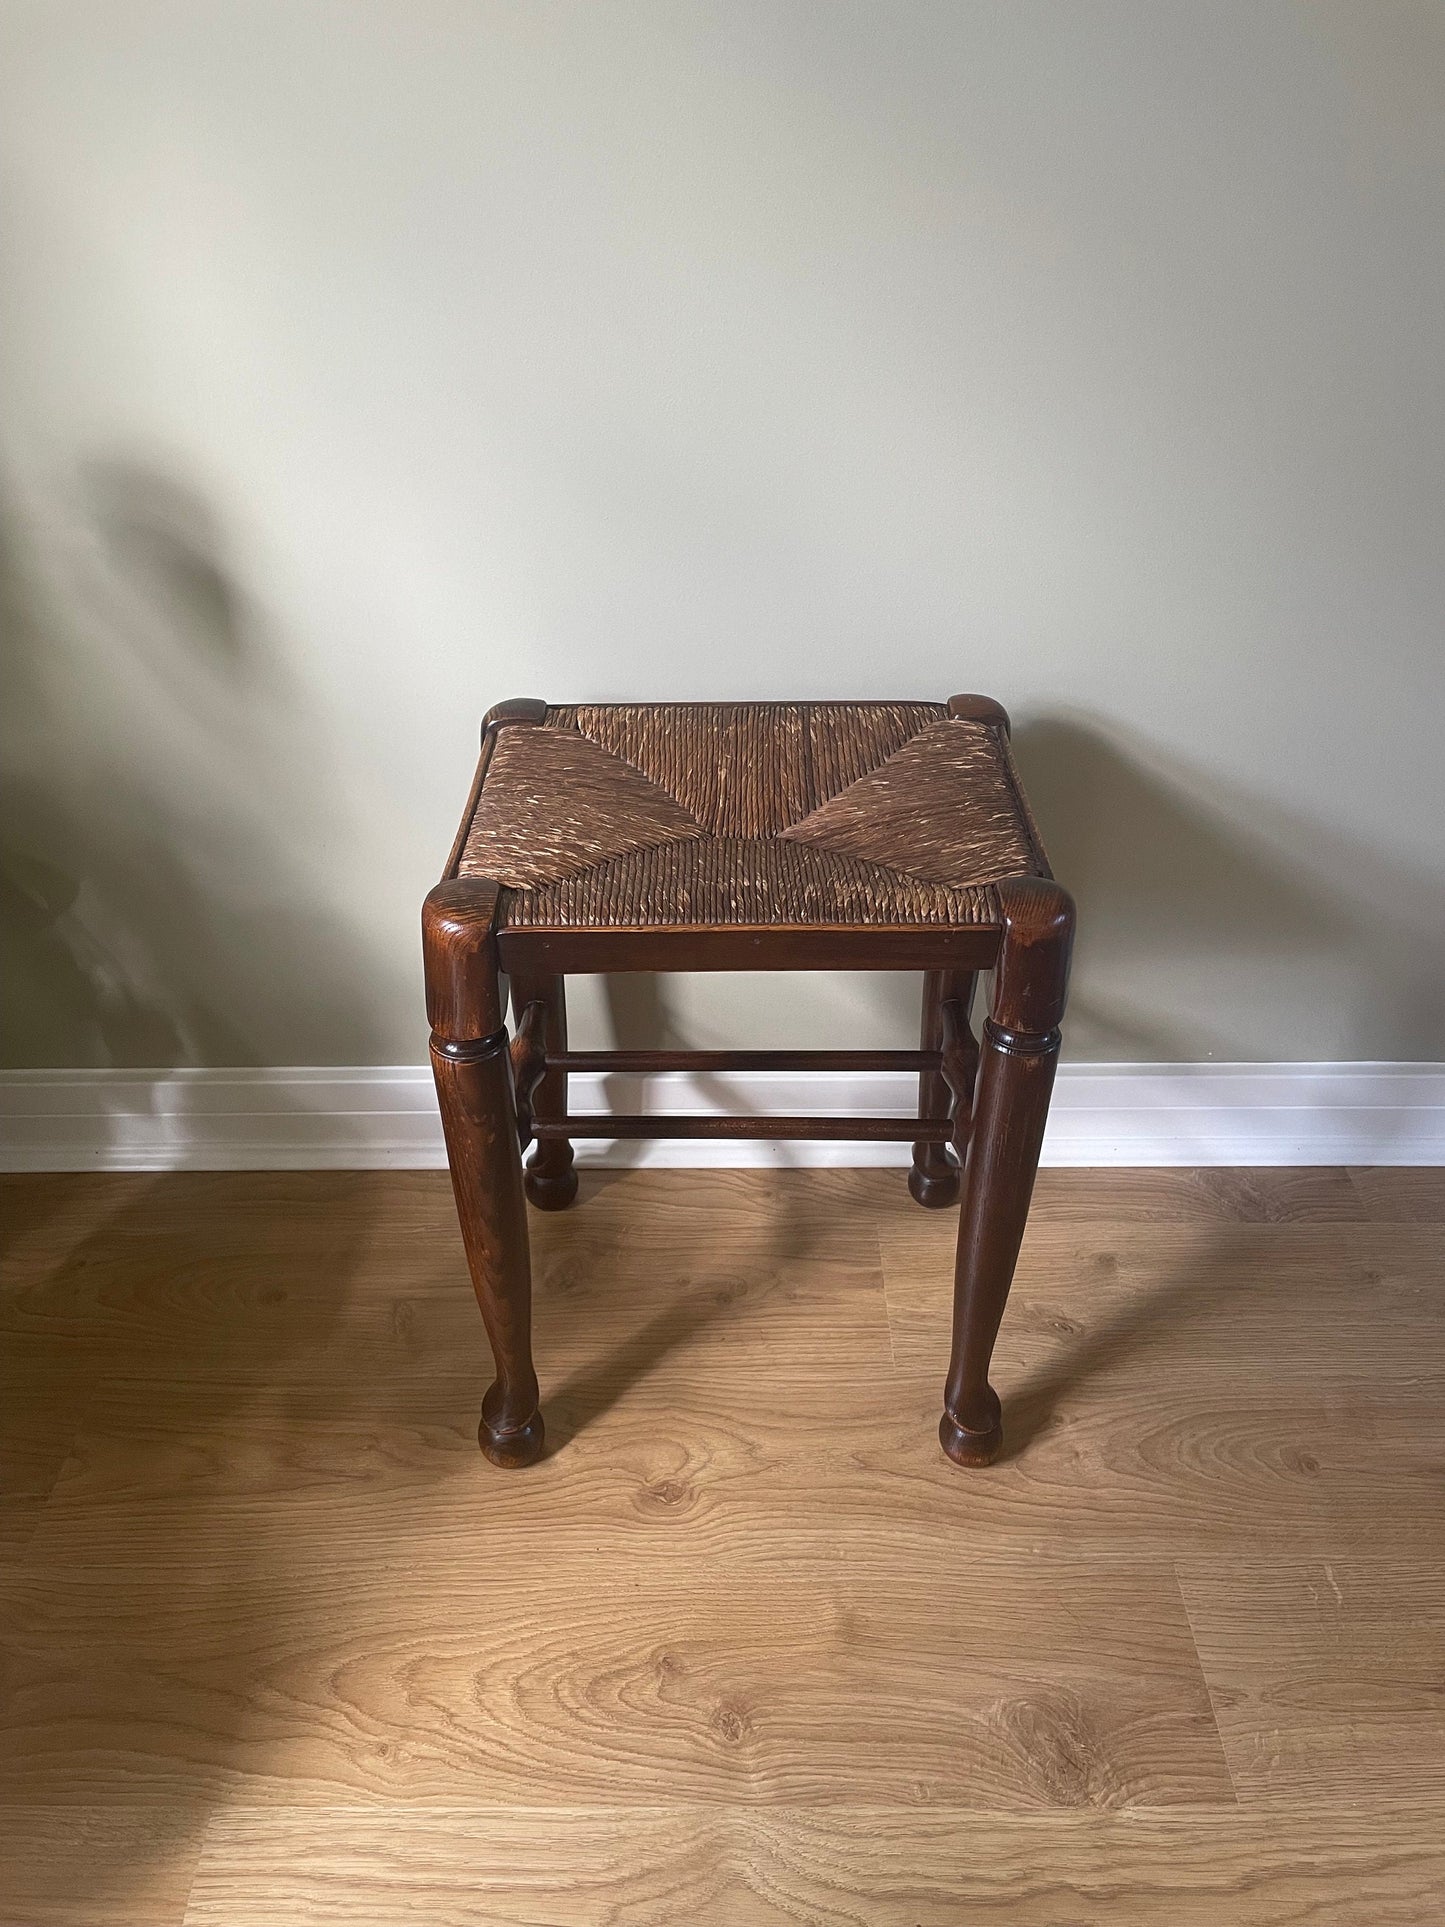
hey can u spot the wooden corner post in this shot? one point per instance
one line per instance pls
(1019, 1052)
(472, 1067)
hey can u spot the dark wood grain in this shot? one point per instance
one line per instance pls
(472, 1069)
(529, 1064)
(516, 709)
(980, 709)
(647, 1063)
(959, 1065)
(481, 1133)
(851, 1130)
(749, 947)
(549, 1178)
(1019, 1053)
(459, 954)
(933, 1180)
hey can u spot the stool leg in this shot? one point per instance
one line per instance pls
(472, 1067)
(1016, 1074)
(549, 1177)
(933, 1180)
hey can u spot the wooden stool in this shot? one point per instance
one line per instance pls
(745, 836)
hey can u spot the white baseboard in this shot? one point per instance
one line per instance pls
(378, 1117)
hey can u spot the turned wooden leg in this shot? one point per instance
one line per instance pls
(933, 1181)
(474, 1090)
(549, 1177)
(1016, 1073)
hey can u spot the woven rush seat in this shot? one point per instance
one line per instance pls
(758, 837)
(729, 814)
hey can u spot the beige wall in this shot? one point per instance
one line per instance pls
(361, 364)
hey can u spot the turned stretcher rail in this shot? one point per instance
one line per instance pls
(899, 1130)
(644, 1062)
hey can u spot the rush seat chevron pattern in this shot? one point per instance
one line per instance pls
(656, 814)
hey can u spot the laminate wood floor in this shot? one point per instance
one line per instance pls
(280, 1647)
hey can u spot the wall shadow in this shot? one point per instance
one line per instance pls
(152, 906)
(1177, 873)
(1184, 882)
(154, 740)
(1214, 923)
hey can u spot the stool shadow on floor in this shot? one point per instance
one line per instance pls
(710, 1286)
(589, 1393)
(640, 1018)
(1156, 1322)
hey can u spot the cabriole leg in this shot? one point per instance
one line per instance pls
(1016, 1073)
(474, 1090)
